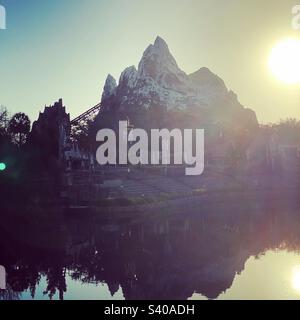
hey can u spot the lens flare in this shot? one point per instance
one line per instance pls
(296, 278)
(284, 61)
(2, 166)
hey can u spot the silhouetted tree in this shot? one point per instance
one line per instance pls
(81, 134)
(288, 131)
(19, 128)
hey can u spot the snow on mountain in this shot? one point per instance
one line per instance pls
(159, 81)
(208, 86)
(158, 64)
(109, 87)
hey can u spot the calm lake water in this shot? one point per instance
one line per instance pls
(250, 253)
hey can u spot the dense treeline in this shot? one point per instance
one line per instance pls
(20, 174)
(13, 134)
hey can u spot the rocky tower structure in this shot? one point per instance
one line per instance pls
(51, 131)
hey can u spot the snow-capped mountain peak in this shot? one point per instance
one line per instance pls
(208, 84)
(159, 81)
(109, 87)
(158, 64)
(128, 77)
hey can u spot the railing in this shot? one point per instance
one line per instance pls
(86, 114)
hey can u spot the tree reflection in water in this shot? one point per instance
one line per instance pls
(163, 257)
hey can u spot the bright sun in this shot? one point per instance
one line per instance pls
(296, 278)
(284, 61)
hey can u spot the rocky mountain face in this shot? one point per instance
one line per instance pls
(159, 84)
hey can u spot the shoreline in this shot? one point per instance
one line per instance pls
(214, 200)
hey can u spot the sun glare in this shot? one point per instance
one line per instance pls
(284, 61)
(296, 278)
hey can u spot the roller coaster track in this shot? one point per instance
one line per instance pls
(86, 115)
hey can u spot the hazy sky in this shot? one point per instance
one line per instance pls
(66, 48)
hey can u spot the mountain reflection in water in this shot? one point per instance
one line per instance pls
(242, 255)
